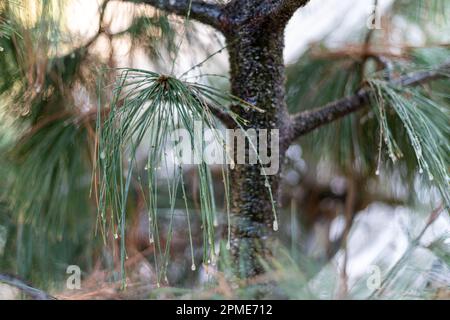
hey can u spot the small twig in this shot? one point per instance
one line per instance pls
(24, 287)
(223, 116)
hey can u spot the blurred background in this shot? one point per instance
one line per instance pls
(348, 213)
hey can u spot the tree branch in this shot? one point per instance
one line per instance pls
(220, 114)
(22, 286)
(244, 12)
(306, 121)
(224, 117)
(282, 9)
(201, 11)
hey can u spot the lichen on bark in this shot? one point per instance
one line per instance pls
(257, 75)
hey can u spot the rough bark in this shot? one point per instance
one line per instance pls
(258, 76)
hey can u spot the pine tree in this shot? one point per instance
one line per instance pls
(369, 110)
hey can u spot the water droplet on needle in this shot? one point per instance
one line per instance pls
(275, 225)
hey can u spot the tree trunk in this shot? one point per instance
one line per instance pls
(257, 76)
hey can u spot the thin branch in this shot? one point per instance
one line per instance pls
(201, 11)
(306, 121)
(101, 11)
(220, 114)
(224, 117)
(22, 286)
